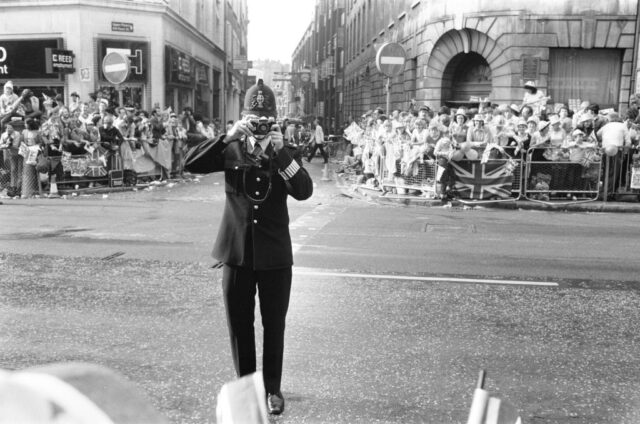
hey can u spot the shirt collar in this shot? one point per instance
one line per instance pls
(264, 143)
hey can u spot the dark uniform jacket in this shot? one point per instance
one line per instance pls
(254, 231)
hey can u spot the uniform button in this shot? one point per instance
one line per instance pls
(235, 167)
(255, 221)
(255, 206)
(258, 179)
(257, 193)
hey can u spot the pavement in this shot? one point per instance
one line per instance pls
(125, 280)
(598, 206)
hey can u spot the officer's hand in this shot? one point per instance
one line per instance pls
(276, 137)
(241, 128)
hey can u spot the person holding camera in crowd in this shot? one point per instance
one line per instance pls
(254, 243)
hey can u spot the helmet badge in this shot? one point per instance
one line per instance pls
(258, 101)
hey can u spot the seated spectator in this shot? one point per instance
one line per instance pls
(591, 121)
(77, 140)
(519, 143)
(557, 138)
(459, 128)
(534, 97)
(478, 135)
(583, 155)
(565, 119)
(540, 142)
(436, 132)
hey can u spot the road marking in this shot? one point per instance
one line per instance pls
(311, 223)
(302, 271)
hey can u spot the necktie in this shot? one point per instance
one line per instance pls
(257, 150)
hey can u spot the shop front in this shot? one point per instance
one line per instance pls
(37, 64)
(134, 91)
(180, 79)
(203, 90)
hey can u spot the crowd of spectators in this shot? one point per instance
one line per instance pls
(399, 146)
(37, 135)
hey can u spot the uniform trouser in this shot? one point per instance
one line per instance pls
(239, 290)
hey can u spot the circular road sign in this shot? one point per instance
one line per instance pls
(115, 67)
(390, 59)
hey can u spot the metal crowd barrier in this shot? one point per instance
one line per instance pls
(337, 147)
(562, 180)
(513, 167)
(420, 177)
(19, 176)
(621, 179)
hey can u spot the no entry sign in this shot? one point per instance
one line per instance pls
(390, 59)
(115, 67)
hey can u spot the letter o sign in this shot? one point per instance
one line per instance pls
(3, 54)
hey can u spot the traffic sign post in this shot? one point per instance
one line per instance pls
(390, 61)
(116, 67)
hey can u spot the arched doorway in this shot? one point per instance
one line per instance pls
(466, 75)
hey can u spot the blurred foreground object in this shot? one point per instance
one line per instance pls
(77, 393)
(243, 401)
(490, 410)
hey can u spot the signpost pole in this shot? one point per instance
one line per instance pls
(388, 111)
(390, 60)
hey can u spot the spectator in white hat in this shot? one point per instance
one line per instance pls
(479, 135)
(534, 97)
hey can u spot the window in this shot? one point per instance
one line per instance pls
(592, 75)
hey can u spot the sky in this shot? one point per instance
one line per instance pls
(276, 27)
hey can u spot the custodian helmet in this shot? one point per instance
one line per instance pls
(260, 101)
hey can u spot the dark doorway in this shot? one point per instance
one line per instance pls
(467, 75)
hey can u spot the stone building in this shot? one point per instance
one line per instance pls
(175, 50)
(460, 51)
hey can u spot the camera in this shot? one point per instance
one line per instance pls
(262, 126)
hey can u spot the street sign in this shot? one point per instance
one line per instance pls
(390, 59)
(115, 67)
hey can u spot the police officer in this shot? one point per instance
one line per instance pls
(253, 242)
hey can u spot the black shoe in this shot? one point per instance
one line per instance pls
(308, 160)
(275, 403)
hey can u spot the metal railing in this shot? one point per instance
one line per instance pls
(568, 177)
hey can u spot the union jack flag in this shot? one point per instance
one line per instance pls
(478, 181)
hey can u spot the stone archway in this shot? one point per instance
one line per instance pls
(458, 50)
(466, 75)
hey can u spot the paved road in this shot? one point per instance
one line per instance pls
(126, 281)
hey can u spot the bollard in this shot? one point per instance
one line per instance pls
(325, 173)
(53, 187)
